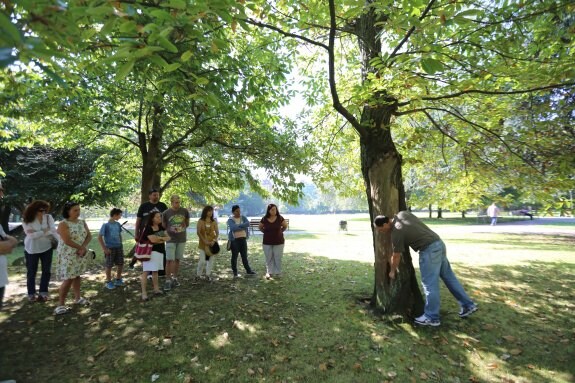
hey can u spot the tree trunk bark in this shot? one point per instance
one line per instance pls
(439, 213)
(381, 169)
(5, 217)
(151, 151)
(430, 211)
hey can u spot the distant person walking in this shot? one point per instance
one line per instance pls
(493, 213)
(273, 225)
(110, 238)
(176, 221)
(208, 234)
(72, 260)
(407, 230)
(238, 234)
(7, 244)
(40, 230)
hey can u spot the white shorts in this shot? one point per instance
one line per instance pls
(155, 263)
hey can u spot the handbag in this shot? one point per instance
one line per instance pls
(53, 242)
(212, 250)
(143, 251)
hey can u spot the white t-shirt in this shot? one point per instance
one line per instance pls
(3, 264)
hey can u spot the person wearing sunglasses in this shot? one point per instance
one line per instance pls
(40, 232)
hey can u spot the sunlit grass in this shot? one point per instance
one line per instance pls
(312, 325)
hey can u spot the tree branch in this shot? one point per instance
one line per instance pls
(332, 86)
(488, 92)
(410, 31)
(282, 32)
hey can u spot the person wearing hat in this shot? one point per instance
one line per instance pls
(408, 230)
(7, 244)
(238, 234)
(152, 205)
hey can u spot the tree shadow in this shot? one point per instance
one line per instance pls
(312, 324)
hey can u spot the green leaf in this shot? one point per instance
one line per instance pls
(176, 4)
(100, 11)
(124, 70)
(167, 44)
(161, 15)
(431, 66)
(186, 56)
(172, 67)
(159, 61)
(9, 29)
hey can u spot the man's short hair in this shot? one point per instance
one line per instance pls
(380, 220)
(153, 190)
(115, 211)
(235, 207)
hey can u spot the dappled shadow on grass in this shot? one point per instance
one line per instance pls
(311, 325)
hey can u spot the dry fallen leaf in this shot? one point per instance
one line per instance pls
(492, 366)
(251, 372)
(509, 338)
(323, 367)
(357, 366)
(516, 351)
(423, 376)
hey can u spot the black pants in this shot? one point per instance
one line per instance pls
(2, 289)
(32, 268)
(240, 245)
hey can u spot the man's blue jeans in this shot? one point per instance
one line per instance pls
(433, 264)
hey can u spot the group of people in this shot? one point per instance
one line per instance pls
(165, 229)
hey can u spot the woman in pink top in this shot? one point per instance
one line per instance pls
(273, 226)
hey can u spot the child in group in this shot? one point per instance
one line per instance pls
(110, 239)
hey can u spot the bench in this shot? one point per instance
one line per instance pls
(522, 212)
(255, 223)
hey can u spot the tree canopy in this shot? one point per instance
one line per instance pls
(184, 91)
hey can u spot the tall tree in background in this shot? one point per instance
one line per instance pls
(190, 95)
(460, 65)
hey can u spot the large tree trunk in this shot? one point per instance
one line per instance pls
(381, 168)
(151, 151)
(5, 217)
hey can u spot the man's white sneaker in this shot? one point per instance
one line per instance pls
(425, 321)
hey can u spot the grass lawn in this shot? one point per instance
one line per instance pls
(312, 325)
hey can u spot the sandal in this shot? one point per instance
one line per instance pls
(145, 298)
(82, 301)
(159, 292)
(61, 310)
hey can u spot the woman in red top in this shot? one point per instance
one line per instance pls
(273, 225)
